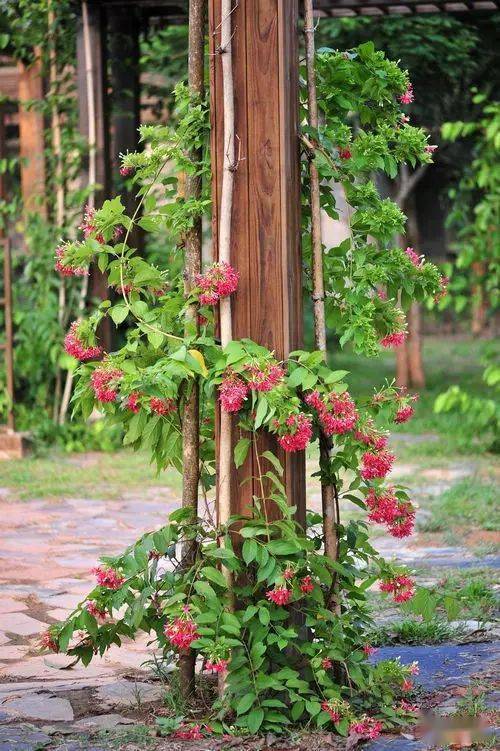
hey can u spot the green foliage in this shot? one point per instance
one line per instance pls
(412, 631)
(467, 503)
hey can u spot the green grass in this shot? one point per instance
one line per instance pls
(410, 631)
(469, 503)
(474, 590)
(98, 475)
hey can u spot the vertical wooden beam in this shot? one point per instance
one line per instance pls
(31, 140)
(98, 65)
(266, 204)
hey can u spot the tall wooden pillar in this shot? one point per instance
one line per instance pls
(266, 205)
(96, 67)
(31, 140)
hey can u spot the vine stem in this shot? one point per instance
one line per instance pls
(328, 489)
(224, 248)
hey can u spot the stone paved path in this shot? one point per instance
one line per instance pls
(46, 553)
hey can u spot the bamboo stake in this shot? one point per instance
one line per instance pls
(329, 496)
(225, 439)
(192, 267)
(92, 176)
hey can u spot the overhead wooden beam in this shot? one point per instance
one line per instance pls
(31, 141)
(266, 204)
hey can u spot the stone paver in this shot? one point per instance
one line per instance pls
(20, 624)
(39, 706)
(129, 694)
(22, 738)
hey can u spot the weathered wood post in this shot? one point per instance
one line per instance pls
(265, 232)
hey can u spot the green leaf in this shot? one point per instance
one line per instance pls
(118, 313)
(297, 377)
(205, 590)
(245, 703)
(249, 551)
(255, 719)
(209, 572)
(261, 412)
(241, 451)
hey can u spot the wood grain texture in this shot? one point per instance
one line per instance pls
(266, 205)
(31, 141)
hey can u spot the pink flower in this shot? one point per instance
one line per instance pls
(298, 432)
(383, 506)
(369, 650)
(416, 260)
(404, 525)
(266, 379)
(382, 294)
(98, 613)
(401, 587)
(232, 393)
(181, 632)
(413, 668)
(64, 267)
(337, 413)
(393, 340)
(367, 727)
(216, 666)
(126, 171)
(219, 281)
(444, 281)
(103, 382)
(288, 574)
(74, 345)
(326, 663)
(162, 407)
(279, 595)
(107, 577)
(306, 585)
(404, 413)
(47, 641)
(336, 708)
(430, 148)
(369, 436)
(132, 402)
(188, 733)
(376, 465)
(344, 153)
(407, 685)
(408, 96)
(406, 706)
(88, 227)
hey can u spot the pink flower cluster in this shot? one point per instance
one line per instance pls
(74, 345)
(88, 227)
(393, 340)
(444, 281)
(401, 587)
(430, 148)
(306, 585)
(65, 268)
(188, 733)
(298, 432)
(386, 508)
(219, 281)
(162, 407)
(408, 96)
(48, 642)
(94, 609)
(416, 260)
(266, 378)
(107, 577)
(132, 402)
(126, 171)
(336, 708)
(337, 413)
(371, 438)
(326, 663)
(103, 382)
(232, 393)
(181, 632)
(369, 650)
(406, 706)
(344, 153)
(404, 413)
(367, 727)
(216, 665)
(376, 465)
(279, 595)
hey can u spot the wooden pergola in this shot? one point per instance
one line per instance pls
(266, 209)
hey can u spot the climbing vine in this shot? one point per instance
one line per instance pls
(289, 634)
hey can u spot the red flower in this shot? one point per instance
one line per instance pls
(217, 666)
(132, 402)
(376, 465)
(416, 260)
(306, 585)
(337, 413)
(279, 595)
(219, 281)
(344, 153)
(393, 340)
(266, 379)
(232, 393)
(401, 587)
(298, 432)
(369, 650)
(326, 663)
(126, 171)
(48, 642)
(74, 345)
(107, 577)
(288, 574)
(103, 381)
(98, 613)
(188, 733)
(407, 685)
(408, 96)
(181, 632)
(406, 706)
(367, 727)
(336, 708)
(88, 225)
(64, 267)
(404, 413)
(430, 148)
(162, 407)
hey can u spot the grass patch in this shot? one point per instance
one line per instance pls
(474, 590)
(96, 475)
(411, 631)
(468, 503)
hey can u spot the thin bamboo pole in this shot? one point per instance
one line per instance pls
(192, 267)
(329, 496)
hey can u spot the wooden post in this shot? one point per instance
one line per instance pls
(98, 64)
(265, 232)
(31, 141)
